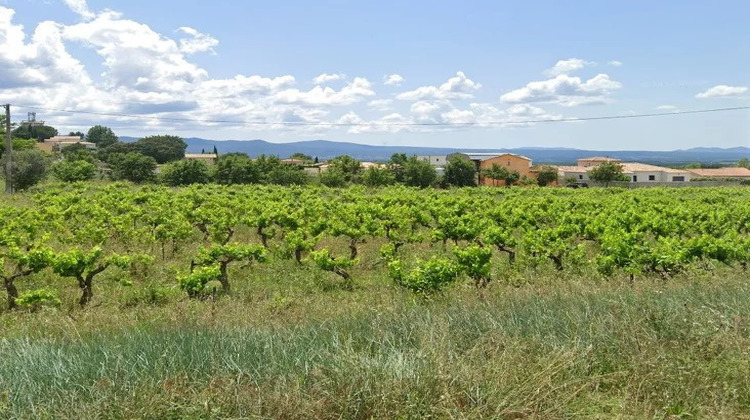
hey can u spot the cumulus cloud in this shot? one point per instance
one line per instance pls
(428, 116)
(393, 80)
(79, 7)
(198, 42)
(325, 78)
(722, 91)
(615, 63)
(381, 104)
(568, 66)
(355, 91)
(457, 87)
(565, 90)
(135, 55)
(144, 72)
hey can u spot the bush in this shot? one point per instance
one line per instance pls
(333, 177)
(133, 167)
(378, 177)
(74, 170)
(428, 277)
(236, 168)
(29, 168)
(186, 172)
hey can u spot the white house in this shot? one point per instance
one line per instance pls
(637, 172)
(438, 161)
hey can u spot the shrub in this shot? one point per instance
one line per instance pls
(428, 277)
(74, 170)
(186, 172)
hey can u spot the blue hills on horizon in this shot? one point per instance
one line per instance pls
(325, 149)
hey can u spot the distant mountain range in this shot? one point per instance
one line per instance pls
(324, 149)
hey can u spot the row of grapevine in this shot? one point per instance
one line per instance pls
(79, 231)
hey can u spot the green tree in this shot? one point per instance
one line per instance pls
(333, 177)
(301, 156)
(78, 152)
(133, 167)
(418, 173)
(163, 148)
(236, 168)
(186, 172)
(378, 177)
(347, 165)
(546, 175)
(74, 170)
(744, 163)
(102, 136)
(396, 165)
(78, 134)
(39, 132)
(29, 168)
(607, 172)
(500, 173)
(285, 174)
(18, 144)
(460, 172)
(106, 153)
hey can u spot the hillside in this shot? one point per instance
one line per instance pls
(324, 149)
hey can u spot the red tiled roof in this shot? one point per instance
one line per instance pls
(722, 172)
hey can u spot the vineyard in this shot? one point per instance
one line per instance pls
(220, 233)
(347, 277)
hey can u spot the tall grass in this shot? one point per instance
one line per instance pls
(580, 352)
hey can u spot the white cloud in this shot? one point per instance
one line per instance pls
(198, 42)
(393, 80)
(615, 63)
(355, 91)
(135, 55)
(325, 78)
(565, 90)
(457, 87)
(145, 72)
(381, 104)
(79, 7)
(722, 91)
(568, 66)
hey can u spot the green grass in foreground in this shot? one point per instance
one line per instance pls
(576, 350)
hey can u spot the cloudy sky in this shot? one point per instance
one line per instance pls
(433, 73)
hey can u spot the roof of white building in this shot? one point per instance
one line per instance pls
(627, 168)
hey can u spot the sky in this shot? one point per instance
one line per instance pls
(470, 74)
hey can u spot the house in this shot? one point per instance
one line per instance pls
(636, 172)
(721, 173)
(510, 161)
(438, 160)
(57, 143)
(209, 158)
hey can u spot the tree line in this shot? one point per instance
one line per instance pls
(160, 159)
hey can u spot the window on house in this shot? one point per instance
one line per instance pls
(652, 177)
(635, 178)
(580, 176)
(678, 178)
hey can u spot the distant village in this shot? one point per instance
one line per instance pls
(633, 172)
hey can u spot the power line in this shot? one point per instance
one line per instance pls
(390, 124)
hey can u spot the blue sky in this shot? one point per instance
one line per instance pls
(468, 74)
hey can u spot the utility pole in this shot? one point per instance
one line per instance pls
(8, 153)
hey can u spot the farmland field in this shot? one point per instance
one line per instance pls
(275, 302)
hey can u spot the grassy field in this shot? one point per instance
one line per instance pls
(294, 341)
(290, 343)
